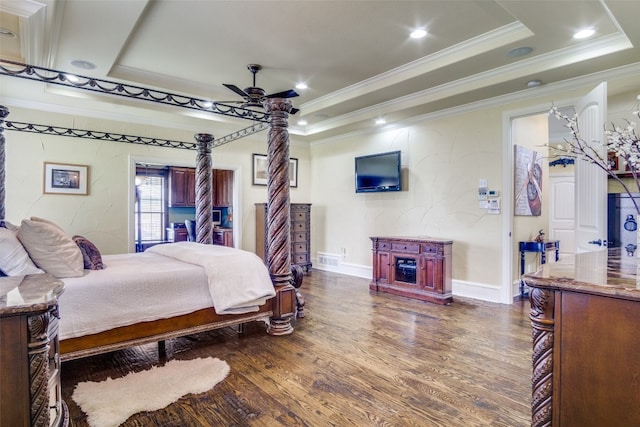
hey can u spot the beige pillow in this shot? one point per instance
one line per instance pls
(14, 260)
(51, 249)
(46, 221)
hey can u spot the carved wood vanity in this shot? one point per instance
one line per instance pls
(586, 346)
(30, 392)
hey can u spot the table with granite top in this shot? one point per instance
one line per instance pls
(30, 390)
(585, 314)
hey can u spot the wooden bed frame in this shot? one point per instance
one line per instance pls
(278, 312)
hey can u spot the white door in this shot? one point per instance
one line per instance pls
(562, 213)
(590, 180)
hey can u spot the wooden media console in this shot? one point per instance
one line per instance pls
(414, 267)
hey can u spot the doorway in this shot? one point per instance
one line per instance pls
(588, 205)
(232, 221)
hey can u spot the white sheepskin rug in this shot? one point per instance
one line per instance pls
(109, 403)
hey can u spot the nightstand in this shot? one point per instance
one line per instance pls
(30, 391)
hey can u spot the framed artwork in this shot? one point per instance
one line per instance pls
(66, 179)
(260, 170)
(528, 182)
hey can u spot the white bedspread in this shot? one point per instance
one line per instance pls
(154, 285)
(239, 282)
(133, 288)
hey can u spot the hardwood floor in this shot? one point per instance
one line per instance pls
(358, 358)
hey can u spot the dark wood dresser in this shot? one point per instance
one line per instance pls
(414, 267)
(30, 392)
(586, 345)
(300, 233)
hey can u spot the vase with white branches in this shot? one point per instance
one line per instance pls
(621, 142)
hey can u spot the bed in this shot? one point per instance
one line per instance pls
(188, 307)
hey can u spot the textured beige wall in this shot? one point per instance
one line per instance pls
(531, 132)
(103, 215)
(442, 161)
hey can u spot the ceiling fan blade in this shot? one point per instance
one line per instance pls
(286, 94)
(294, 110)
(236, 89)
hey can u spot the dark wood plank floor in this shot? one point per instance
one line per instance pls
(358, 358)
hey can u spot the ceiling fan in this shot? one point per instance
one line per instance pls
(255, 96)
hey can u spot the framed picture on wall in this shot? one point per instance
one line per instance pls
(260, 170)
(527, 182)
(66, 179)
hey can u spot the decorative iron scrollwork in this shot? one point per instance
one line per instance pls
(130, 139)
(61, 78)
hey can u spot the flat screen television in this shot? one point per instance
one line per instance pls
(378, 172)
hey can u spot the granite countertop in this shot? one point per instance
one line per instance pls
(33, 292)
(608, 272)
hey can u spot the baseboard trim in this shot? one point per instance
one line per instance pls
(461, 288)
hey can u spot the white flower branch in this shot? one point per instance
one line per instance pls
(623, 142)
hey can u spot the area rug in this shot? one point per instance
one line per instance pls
(109, 403)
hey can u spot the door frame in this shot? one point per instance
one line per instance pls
(237, 193)
(509, 285)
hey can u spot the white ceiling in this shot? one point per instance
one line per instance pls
(355, 56)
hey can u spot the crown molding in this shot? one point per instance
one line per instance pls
(627, 71)
(602, 46)
(488, 41)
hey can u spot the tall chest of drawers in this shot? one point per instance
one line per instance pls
(30, 390)
(300, 229)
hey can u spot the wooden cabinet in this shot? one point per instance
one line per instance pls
(413, 267)
(182, 187)
(30, 391)
(222, 186)
(223, 236)
(586, 346)
(300, 229)
(177, 235)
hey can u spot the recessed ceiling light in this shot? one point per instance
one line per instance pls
(418, 33)
(85, 65)
(584, 33)
(5, 32)
(302, 122)
(301, 85)
(380, 121)
(207, 104)
(519, 51)
(534, 83)
(72, 78)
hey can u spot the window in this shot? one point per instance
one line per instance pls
(150, 210)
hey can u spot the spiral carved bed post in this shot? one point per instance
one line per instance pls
(4, 112)
(542, 321)
(204, 201)
(279, 216)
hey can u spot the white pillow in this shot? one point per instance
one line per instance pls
(51, 249)
(14, 260)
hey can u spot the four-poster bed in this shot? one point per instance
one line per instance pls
(278, 311)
